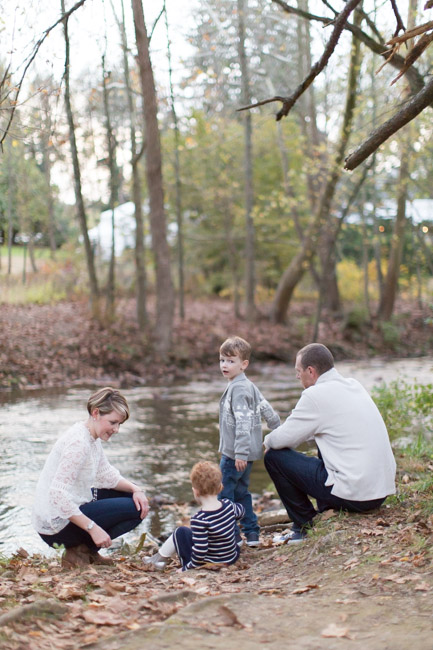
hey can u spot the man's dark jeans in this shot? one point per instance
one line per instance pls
(297, 476)
(113, 510)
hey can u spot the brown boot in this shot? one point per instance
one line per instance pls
(95, 558)
(76, 556)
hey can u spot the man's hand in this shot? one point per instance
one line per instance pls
(241, 465)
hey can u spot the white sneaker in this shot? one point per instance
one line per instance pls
(154, 566)
(293, 537)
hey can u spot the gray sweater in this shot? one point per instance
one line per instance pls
(242, 408)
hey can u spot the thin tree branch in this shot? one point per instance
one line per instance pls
(414, 78)
(400, 25)
(414, 107)
(31, 58)
(316, 69)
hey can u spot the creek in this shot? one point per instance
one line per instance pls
(168, 431)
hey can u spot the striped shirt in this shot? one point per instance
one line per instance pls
(213, 535)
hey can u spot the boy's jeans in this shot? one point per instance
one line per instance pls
(235, 488)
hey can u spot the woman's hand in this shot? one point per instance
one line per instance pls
(141, 503)
(100, 536)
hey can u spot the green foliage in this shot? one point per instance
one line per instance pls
(390, 334)
(407, 411)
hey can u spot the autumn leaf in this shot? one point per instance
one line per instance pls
(228, 617)
(303, 590)
(101, 618)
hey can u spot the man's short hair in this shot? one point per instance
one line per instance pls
(206, 478)
(235, 346)
(317, 356)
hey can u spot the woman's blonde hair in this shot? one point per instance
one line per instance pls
(206, 478)
(107, 400)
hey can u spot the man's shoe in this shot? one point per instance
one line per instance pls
(294, 537)
(253, 539)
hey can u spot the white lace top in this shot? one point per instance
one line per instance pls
(75, 464)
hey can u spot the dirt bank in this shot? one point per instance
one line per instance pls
(358, 581)
(60, 345)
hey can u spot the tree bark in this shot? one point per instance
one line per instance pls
(137, 197)
(161, 251)
(114, 194)
(389, 294)
(250, 280)
(81, 213)
(178, 185)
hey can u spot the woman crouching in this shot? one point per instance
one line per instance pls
(81, 500)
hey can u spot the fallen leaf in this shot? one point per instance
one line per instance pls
(228, 617)
(335, 631)
(423, 586)
(303, 590)
(101, 618)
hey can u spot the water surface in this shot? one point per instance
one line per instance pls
(168, 431)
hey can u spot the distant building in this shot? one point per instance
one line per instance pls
(419, 210)
(124, 230)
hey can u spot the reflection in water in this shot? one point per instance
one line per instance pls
(169, 430)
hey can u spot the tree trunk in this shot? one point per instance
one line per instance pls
(114, 194)
(82, 218)
(250, 280)
(10, 224)
(389, 294)
(161, 251)
(302, 260)
(365, 260)
(31, 246)
(140, 249)
(179, 217)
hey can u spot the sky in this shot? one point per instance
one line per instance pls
(93, 31)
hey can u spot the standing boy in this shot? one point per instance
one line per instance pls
(242, 408)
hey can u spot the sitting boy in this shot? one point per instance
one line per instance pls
(211, 537)
(242, 408)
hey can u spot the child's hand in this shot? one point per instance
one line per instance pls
(241, 465)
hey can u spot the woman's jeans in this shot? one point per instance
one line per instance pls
(297, 476)
(112, 510)
(235, 488)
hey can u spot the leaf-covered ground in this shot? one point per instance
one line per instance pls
(358, 581)
(59, 344)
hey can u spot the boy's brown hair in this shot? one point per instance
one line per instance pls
(235, 346)
(206, 478)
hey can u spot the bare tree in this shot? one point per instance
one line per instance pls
(248, 170)
(179, 216)
(308, 249)
(81, 212)
(161, 251)
(114, 191)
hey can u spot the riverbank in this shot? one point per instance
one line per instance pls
(358, 581)
(59, 345)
